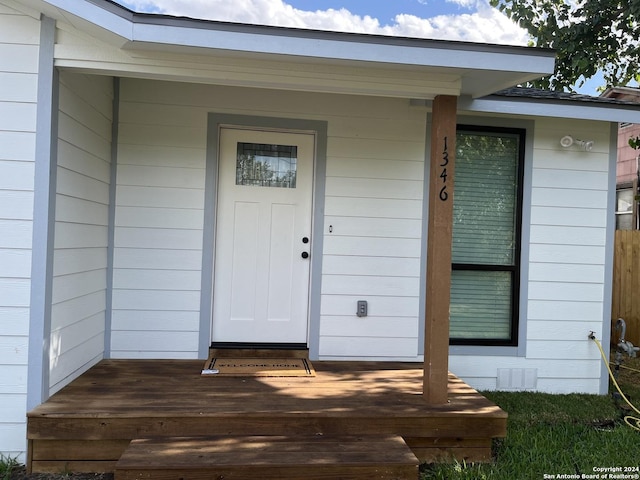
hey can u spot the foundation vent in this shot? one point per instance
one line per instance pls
(517, 379)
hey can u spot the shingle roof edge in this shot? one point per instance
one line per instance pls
(551, 95)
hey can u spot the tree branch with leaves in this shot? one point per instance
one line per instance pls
(588, 35)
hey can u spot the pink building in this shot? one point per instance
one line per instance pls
(627, 164)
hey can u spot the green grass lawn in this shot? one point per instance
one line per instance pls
(556, 435)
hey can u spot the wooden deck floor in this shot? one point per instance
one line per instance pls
(87, 425)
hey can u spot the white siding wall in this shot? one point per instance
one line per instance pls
(19, 37)
(80, 257)
(566, 270)
(374, 185)
(159, 220)
(375, 170)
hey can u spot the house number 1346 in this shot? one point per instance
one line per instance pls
(444, 195)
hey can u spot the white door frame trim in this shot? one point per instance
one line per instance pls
(319, 128)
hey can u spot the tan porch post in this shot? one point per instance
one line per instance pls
(436, 340)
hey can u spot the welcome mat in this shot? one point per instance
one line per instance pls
(258, 367)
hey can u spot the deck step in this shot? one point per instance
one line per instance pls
(269, 458)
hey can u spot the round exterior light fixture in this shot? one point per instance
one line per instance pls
(568, 140)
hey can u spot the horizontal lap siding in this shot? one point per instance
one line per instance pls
(19, 37)
(159, 222)
(566, 278)
(373, 201)
(555, 375)
(372, 232)
(81, 231)
(567, 257)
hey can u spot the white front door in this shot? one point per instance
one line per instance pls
(263, 237)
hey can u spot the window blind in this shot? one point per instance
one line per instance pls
(485, 200)
(480, 305)
(484, 251)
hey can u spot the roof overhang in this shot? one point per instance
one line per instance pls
(540, 107)
(465, 68)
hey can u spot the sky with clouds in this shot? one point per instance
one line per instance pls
(466, 20)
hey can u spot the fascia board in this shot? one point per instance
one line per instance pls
(114, 24)
(357, 48)
(541, 108)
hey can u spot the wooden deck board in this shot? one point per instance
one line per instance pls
(120, 400)
(265, 450)
(275, 457)
(135, 386)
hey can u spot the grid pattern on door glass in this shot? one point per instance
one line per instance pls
(266, 165)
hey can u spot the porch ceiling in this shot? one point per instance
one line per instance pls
(197, 65)
(157, 46)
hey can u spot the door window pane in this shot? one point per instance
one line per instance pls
(266, 165)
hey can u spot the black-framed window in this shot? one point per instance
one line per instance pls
(487, 222)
